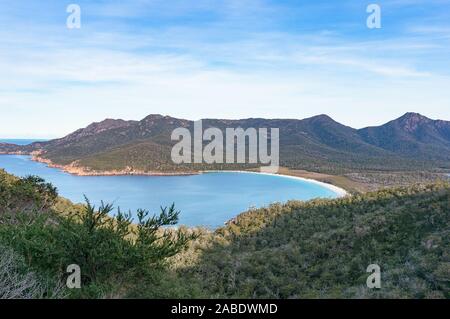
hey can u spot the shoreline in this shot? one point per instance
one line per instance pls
(81, 171)
(73, 169)
(340, 192)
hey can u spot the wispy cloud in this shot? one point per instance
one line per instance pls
(218, 59)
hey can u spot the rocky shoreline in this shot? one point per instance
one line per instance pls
(74, 169)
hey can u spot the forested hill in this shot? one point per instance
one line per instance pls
(318, 143)
(314, 249)
(322, 248)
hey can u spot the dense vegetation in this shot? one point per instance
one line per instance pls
(314, 249)
(321, 248)
(42, 235)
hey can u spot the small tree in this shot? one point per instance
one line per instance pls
(106, 247)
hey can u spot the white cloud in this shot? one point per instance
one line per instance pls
(57, 81)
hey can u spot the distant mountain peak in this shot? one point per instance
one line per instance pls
(96, 128)
(106, 124)
(411, 121)
(154, 117)
(414, 116)
(321, 118)
(108, 121)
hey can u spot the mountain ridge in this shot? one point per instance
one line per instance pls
(317, 143)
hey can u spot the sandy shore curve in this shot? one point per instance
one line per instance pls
(340, 192)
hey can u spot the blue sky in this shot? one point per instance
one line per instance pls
(223, 59)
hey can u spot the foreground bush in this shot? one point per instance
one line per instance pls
(112, 253)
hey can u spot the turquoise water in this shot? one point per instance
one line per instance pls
(208, 199)
(20, 141)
